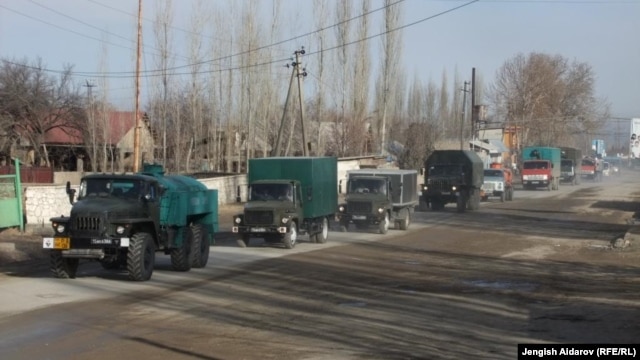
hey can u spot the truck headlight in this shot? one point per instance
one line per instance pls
(285, 220)
(120, 229)
(424, 188)
(59, 228)
(454, 188)
(380, 210)
(341, 208)
(237, 220)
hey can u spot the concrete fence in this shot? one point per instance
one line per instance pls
(44, 201)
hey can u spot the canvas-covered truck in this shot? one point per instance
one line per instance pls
(452, 176)
(288, 197)
(379, 197)
(498, 182)
(541, 167)
(570, 165)
(122, 220)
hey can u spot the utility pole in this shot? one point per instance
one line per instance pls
(276, 150)
(306, 147)
(136, 134)
(464, 105)
(92, 125)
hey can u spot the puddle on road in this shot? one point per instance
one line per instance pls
(503, 285)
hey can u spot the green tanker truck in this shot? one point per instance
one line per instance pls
(288, 196)
(122, 220)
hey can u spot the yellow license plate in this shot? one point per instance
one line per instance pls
(61, 243)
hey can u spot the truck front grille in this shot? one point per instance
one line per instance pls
(87, 223)
(439, 185)
(258, 217)
(359, 207)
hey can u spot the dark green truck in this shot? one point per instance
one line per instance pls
(379, 197)
(122, 220)
(287, 197)
(452, 176)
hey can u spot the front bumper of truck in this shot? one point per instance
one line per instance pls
(79, 247)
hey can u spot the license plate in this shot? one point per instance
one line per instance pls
(535, 182)
(101, 241)
(359, 217)
(61, 243)
(446, 193)
(258, 229)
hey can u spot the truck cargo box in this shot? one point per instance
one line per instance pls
(467, 158)
(404, 183)
(318, 177)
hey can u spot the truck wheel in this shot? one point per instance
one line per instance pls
(200, 246)
(141, 257)
(406, 220)
(243, 240)
(182, 257)
(383, 228)
(322, 236)
(63, 268)
(291, 237)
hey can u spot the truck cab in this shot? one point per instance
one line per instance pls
(271, 212)
(368, 202)
(498, 183)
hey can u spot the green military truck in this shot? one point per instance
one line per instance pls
(287, 197)
(452, 176)
(122, 220)
(379, 197)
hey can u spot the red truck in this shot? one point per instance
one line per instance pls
(589, 168)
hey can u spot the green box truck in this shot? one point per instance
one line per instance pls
(287, 197)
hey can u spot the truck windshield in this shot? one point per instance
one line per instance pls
(265, 192)
(566, 165)
(493, 173)
(587, 162)
(363, 186)
(445, 170)
(531, 165)
(124, 188)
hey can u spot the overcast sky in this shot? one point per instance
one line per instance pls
(482, 35)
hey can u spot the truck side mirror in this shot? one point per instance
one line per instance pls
(309, 192)
(340, 187)
(238, 199)
(70, 192)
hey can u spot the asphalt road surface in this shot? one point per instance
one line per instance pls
(539, 269)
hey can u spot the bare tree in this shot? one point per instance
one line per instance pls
(391, 53)
(550, 98)
(38, 103)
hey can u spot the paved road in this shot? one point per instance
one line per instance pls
(538, 269)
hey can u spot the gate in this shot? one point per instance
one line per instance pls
(11, 200)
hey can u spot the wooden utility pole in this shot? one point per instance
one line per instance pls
(306, 147)
(464, 105)
(136, 134)
(276, 151)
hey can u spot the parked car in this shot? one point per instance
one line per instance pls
(606, 169)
